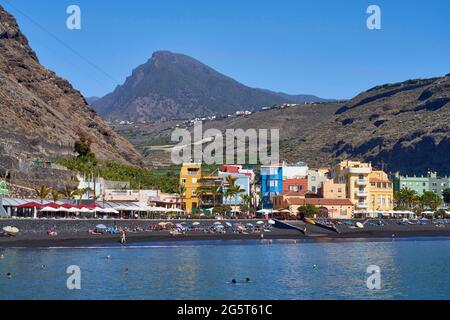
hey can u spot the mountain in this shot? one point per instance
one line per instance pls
(42, 115)
(299, 98)
(91, 100)
(402, 127)
(171, 85)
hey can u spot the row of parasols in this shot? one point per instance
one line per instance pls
(66, 207)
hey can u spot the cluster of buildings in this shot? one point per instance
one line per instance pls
(349, 189)
(205, 190)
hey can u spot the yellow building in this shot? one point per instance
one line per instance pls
(355, 176)
(381, 191)
(190, 176)
(367, 188)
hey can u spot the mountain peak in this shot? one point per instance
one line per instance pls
(174, 85)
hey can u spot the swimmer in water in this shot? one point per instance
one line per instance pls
(2, 257)
(247, 280)
(126, 271)
(9, 275)
(43, 267)
(233, 281)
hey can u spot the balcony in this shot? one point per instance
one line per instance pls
(362, 194)
(362, 205)
(362, 182)
(360, 170)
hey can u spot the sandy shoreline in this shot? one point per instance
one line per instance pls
(78, 240)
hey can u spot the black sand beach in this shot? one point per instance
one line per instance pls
(75, 233)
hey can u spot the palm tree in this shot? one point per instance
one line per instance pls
(81, 192)
(69, 193)
(43, 193)
(232, 189)
(216, 192)
(247, 199)
(181, 193)
(406, 197)
(56, 195)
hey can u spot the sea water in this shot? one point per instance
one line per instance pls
(413, 268)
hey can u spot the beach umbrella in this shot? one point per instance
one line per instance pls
(11, 229)
(229, 224)
(217, 223)
(101, 226)
(110, 210)
(196, 223)
(272, 222)
(249, 225)
(66, 206)
(260, 222)
(85, 210)
(73, 210)
(360, 225)
(31, 205)
(49, 209)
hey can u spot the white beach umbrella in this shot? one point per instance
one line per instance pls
(85, 210)
(260, 222)
(73, 210)
(49, 209)
(272, 222)
(110, 210)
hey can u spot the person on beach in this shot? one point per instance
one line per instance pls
(123, 238)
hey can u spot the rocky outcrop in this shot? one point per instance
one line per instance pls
(41, 113)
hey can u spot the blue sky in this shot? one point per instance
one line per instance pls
(318, 47)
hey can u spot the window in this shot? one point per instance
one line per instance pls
(194, 192)
(194, 180)
(183, 180)
(273, 183)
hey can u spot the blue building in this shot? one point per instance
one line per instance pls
(271, 184)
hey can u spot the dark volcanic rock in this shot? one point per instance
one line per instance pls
(42, 114)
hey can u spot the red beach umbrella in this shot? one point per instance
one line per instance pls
(66, 206)
(53, 205)
(31, 205)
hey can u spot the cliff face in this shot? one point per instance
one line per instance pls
(41, 113)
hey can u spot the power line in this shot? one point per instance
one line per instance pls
(63, 43)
